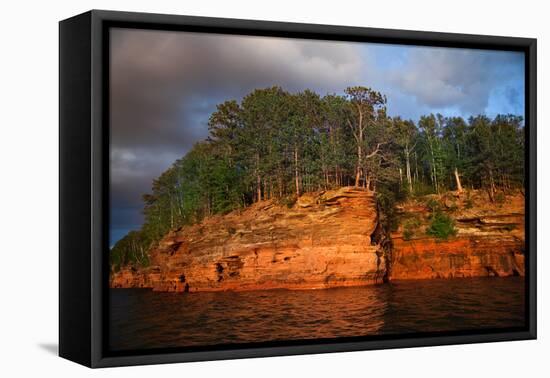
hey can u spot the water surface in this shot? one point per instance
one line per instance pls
(141, 318)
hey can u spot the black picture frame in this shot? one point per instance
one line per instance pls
(84, 179)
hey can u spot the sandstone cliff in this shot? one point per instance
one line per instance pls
(489, 241)
(326, 240)
(321, 241)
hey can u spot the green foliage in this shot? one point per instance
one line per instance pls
(434, 152)
(408, 234)
(130, 250)
(421, 189)
(276, 145)
(387, 199)
(494, 151)
(441, 226)
(484, 152)
(433, 205)
(288, 201)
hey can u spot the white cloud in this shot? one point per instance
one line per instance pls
(455, 78)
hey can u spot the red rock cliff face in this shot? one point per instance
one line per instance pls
(322, 241)
(490, 239)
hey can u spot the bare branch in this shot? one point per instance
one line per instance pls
(376, 151)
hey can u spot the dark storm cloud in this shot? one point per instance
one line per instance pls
(164, 85)
(163, 81)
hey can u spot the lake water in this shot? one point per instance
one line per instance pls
(141, 318)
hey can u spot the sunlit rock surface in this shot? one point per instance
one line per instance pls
(321, 241)
(490, 239)
(325, 240)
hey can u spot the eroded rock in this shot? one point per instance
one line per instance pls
(327, 239)
(490, 240)
(322, 241)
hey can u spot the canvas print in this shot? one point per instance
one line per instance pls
(279, 190)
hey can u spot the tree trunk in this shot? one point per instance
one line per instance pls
(408, 168)
(491, 196)
(258, 178)
(416, 166)
(434, 175)
(492, 181)
(171, 213)
(296, 175)
(434, 170)
(457, 178)
(358, 168)
(359, 150)
(435, 178)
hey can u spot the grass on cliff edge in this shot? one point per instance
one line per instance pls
(442, 226)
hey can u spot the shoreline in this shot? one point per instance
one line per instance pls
(336, 239)
(378, 284)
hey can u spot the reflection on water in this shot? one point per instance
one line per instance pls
(145, 319)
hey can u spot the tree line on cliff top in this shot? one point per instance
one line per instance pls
(278, 145)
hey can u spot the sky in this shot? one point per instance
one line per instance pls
(165, 84)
